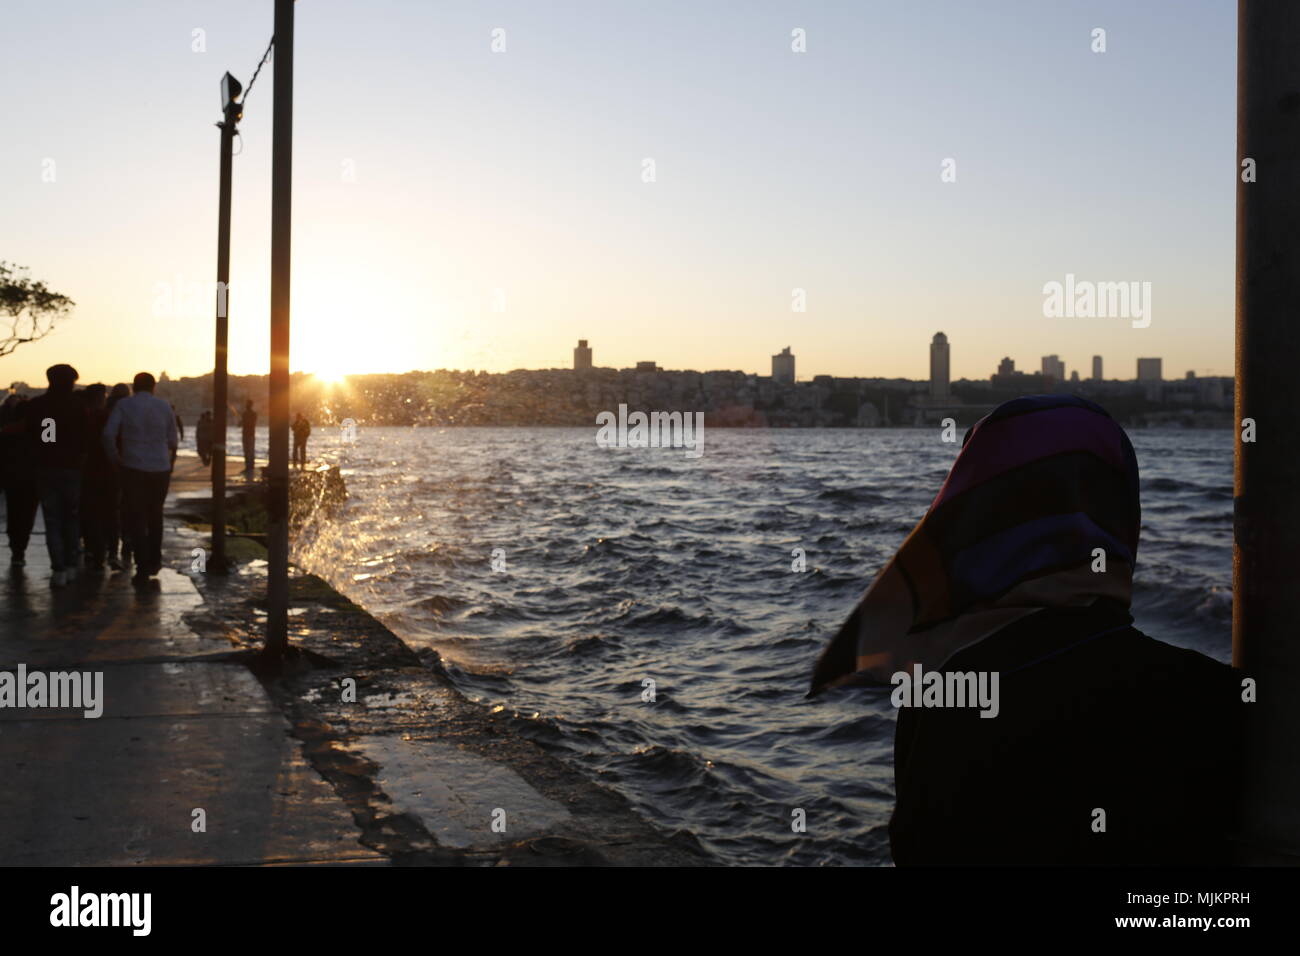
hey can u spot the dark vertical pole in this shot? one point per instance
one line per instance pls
(1266, 553)
(219, 397)
(277, 536)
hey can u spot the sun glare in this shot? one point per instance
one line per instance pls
(330, 376)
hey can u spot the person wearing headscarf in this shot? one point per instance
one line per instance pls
(1104, 745)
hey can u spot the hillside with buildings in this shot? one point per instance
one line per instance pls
(574, 396)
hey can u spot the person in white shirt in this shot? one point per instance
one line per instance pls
(141, 439)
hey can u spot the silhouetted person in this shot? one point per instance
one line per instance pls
(1107, 746)
(56, 427)
(18, 472)
(248, 421)
(119, 543)
(180, 425)
(203, 437)
(301, 431)
(98, 480)
(146, 429)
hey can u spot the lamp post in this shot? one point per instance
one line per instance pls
(277, 472)
(232, 111)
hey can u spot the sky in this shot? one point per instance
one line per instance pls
(460, 207)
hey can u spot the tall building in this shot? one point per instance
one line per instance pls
(1006, 367)
(1053, 370)
(1149, 370)
(1096, 368)
(939, 366)
(582, 355)
(783, 367)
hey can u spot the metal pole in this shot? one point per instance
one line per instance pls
(219, 397)
(277, 472)
(1266, 547)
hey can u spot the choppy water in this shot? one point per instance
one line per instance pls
(623, 565)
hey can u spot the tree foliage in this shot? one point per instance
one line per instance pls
(31, 307)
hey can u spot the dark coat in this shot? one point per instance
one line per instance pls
(71, 429)
(1093, 714)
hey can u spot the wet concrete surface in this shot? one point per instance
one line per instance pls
(184, 728)
(426, 771)
(97, 618)
(456, 794)
(358, 751)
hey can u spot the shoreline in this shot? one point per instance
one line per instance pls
(429, 777)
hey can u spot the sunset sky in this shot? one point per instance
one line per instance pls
(430, 172)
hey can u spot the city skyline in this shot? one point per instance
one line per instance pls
(782, 370)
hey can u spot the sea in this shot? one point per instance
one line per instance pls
(642, 614)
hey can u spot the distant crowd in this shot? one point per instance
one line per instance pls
(98, 463)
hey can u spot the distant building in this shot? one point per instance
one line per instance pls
(1020, 383)
(1211, 392)
(939, 367)
(1053, 370)
(1074, 376)
(1096, 368)
(1006, 368)
(582, 355)
(783, 367)
(868, 415)
(1149, 370)
(1214, 393)
(647, 367)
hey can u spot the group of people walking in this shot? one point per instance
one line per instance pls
(98, 464)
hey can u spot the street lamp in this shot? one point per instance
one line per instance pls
(230, 90)
(232, 111)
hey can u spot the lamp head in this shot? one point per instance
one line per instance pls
(230, 90)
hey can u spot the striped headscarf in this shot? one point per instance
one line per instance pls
(1040, 483)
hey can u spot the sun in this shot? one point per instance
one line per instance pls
(329, 372)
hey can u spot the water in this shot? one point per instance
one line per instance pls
(623, 565)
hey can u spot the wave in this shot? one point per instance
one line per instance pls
(854, 496)
(438, 604)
